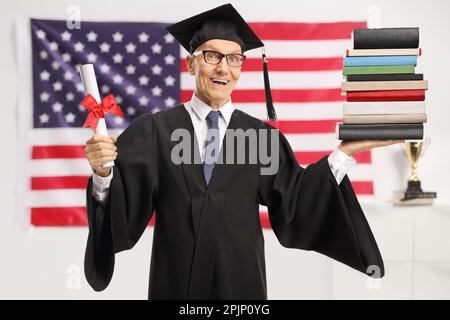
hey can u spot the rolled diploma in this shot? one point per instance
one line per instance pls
(87, 74)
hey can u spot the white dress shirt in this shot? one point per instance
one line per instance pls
(340, 163)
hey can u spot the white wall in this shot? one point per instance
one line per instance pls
(35, 262)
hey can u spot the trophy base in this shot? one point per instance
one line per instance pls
(414, 191)
(401, 200)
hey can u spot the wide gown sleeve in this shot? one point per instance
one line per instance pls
(309, 210)
(118, 223)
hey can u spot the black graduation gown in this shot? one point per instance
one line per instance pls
(208, 241)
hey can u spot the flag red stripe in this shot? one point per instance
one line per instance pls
(62, 182)
(280, 95)
(363, 187)
(305, 31)
(59, 216)
(308, 157)
(58, 152)
(288, 64)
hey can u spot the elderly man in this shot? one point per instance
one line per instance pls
(207, 241)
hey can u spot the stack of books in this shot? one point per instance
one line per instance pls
(385, 97)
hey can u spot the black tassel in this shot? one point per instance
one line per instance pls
(269, 104)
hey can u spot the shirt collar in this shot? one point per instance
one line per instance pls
(201, 109)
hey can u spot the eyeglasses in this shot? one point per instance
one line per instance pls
(214, 57)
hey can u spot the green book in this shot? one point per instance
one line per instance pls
(379, 70)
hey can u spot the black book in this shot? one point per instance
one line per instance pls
(396, 131)
(386, 38)
(384, 77)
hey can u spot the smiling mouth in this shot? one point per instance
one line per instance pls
(221, 82)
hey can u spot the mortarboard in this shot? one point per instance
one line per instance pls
(223, 22)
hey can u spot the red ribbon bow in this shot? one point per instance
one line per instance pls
(97, 110)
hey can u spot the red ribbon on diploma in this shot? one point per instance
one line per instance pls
(98, 110)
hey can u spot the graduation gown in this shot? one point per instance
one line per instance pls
(208, 241)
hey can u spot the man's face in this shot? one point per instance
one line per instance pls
(213, 92)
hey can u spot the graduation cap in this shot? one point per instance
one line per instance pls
(223, 22)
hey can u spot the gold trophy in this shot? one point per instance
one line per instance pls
(413, 151)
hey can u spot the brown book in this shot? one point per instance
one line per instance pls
(385, 118)
(384, 85)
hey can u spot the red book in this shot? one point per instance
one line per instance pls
(386, 95)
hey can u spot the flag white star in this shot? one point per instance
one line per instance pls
(168, 38)
(43, 118)
(170, 81)
(169, 102)
(130, 69)
(155, 110)
(66, 36)
(43, 54)
(130, 89)
(117, 79)
(143, 58)
(105, 88)
(80, 87)
(131, 48)
(131, 111)
(81, 108)
(68, 75)
(53, 46)
(78, 47)
(104, 47)
(156, 91)
(156, 69)
(91, 57)
(143, 37)
(143, 80)
(57, 107)
(55, 65)
(57, 86)
(117, 58)
(118, 120)
(156, 48)
(66, 57)
(44, 96)
(91, 36)
(119, 99)
(117, 37)
(70, 96)
(104, 68)
(70, 117)
(143, 101)
(169, 59)
(45, 75)
(40, 34)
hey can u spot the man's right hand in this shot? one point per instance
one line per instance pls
(100, 150)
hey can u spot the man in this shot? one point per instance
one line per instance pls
(208, 242)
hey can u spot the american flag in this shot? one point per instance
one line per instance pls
(144, 67)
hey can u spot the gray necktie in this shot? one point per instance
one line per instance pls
(212, 147)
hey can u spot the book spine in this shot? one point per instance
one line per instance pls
(384, 77)
(379, 70)
(384, 85)
(383, 52)
(392, 95)
(384, 118)
(386, 38)
(380, 132)
(398, 107)
(380, 61)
